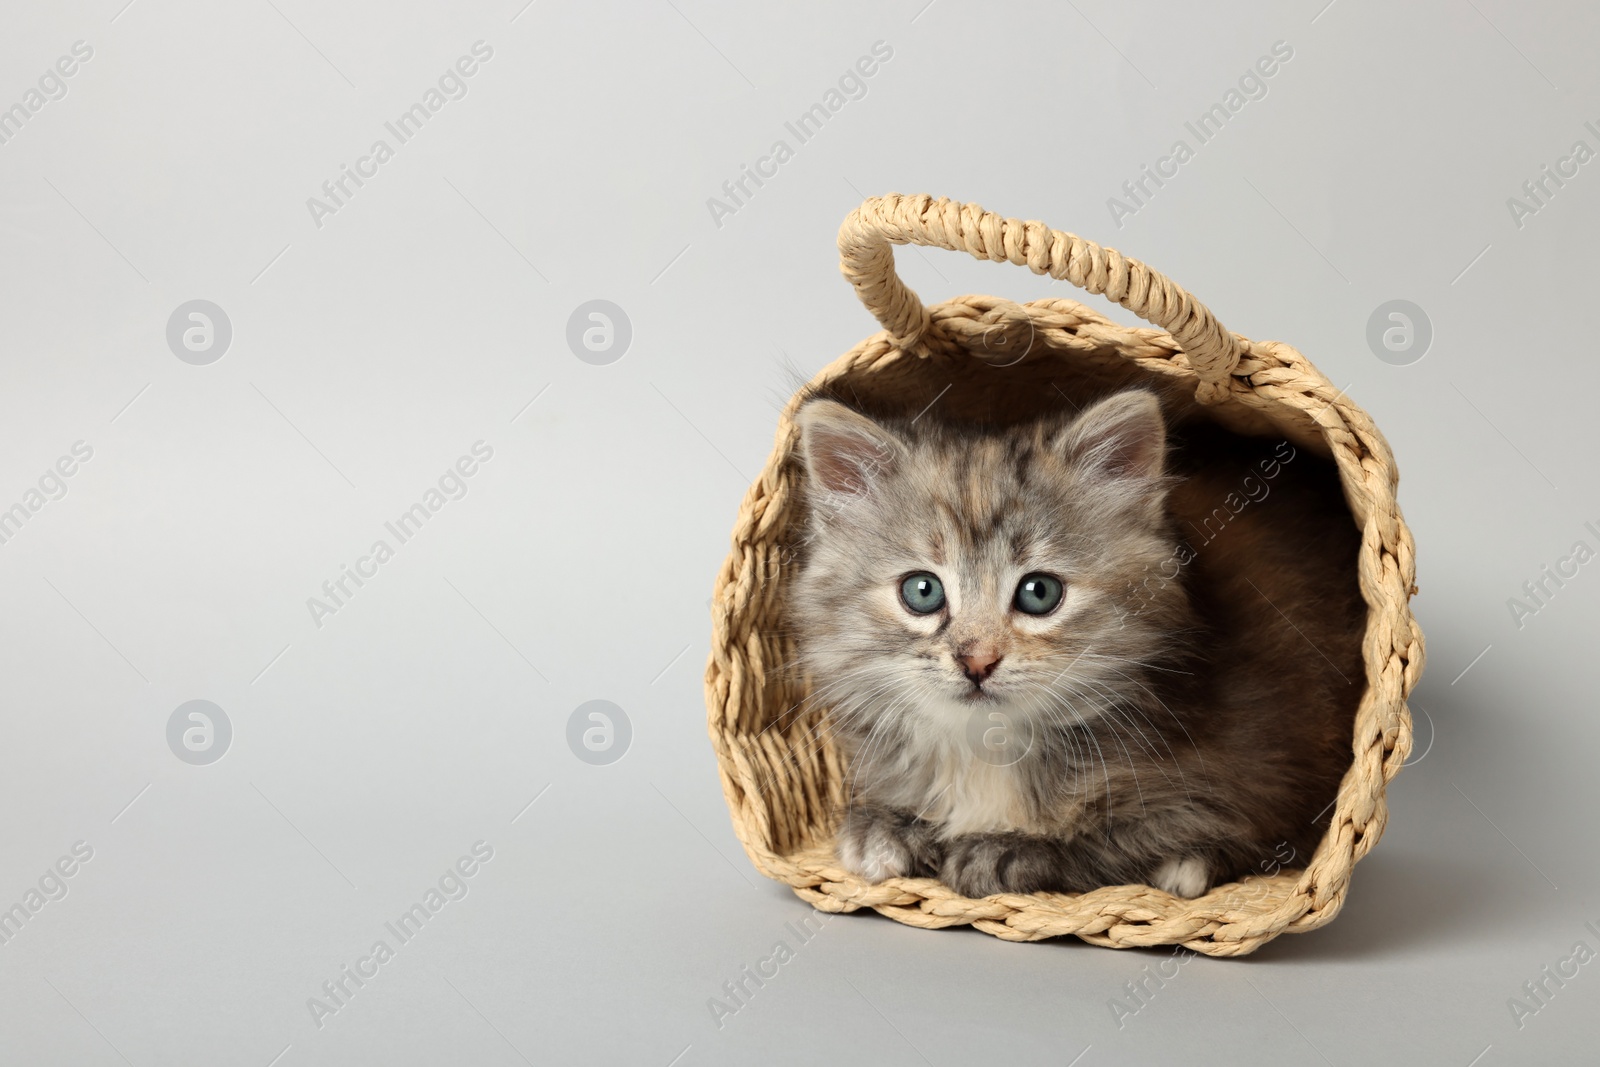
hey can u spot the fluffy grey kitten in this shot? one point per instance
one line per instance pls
(1056, 662)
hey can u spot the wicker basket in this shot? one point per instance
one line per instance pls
(782, 775)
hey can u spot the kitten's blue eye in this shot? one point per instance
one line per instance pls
(1038, 594)
(922, 593)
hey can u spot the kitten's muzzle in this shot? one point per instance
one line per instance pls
(977, 666)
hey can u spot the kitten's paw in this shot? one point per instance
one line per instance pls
(874, 856)
(879, 843)
(1187, 877)
(981, 865)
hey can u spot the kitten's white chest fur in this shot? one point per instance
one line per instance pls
(969, 797)
(946, 784)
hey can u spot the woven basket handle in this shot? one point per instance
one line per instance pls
(867, 259)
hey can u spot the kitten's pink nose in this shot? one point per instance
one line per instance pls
(979, 665)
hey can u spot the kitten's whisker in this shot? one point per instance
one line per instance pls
(868, 749)
(1078, 755)
(1088, 733)
(1141, 663)
(1111, 709)
(1171, 714)
(1117, 705)
(1115, 735)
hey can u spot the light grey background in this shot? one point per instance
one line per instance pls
(371, 752)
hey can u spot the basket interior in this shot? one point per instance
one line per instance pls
(993, 382)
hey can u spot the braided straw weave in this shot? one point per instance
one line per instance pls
(781, 773)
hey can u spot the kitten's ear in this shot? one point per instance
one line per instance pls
(844, 450)
(1123, 436)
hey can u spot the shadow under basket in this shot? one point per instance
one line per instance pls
(983, 357)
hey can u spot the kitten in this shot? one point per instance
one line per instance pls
(1056, 659)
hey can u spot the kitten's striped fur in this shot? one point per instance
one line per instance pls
(1178, 726)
